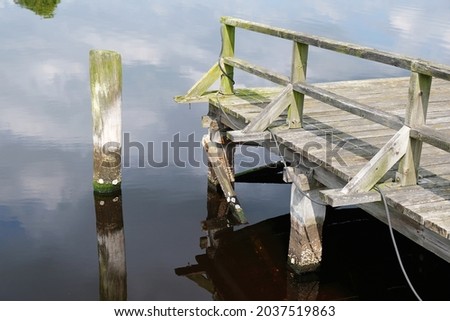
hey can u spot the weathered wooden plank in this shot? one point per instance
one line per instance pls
(216, 158)
(411, 229)
(256, 70)
(416, 115)
(305, 239)
(431, 136)
(238, 136)
(196, 93)
(439, 224)
(325, 96)
(298, 73)
(377, 139)
(349, 105)
(335, 197)
(228, 39)
(388, 58)
(380, 163)
(270, 112)
(105, 69)
(300, 178)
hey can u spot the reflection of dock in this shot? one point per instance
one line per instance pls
(245, 264)
(249, 263)
(346, 143)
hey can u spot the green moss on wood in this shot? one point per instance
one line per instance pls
(106, 70)
(106, 188)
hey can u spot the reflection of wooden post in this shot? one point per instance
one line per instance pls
(217, 220)
(111, 247)
(106, 96)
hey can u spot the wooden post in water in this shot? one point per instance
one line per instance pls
(307, 217)
(106, 97)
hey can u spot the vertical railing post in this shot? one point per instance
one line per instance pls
(226, 80)
(298, 73)
(416, 115)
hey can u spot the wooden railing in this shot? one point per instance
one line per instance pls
(413, 130)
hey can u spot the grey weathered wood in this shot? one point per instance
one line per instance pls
(372, 137)
(431, 136)
(256, 70)
(228, 38)
(197, 91)
(270, 112)
(106, 101)
(305, 239)
(393, 59)
(324, 95)
(217, 159)
(300, 178)
(298, 74)
(380, 163)
(350, 105)
(416, 115)
(335, 197)
(238, 136)
(357, 114)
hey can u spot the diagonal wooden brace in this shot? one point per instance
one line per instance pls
(380, 164)
(216, 157)
(200, 87)
(271, 112)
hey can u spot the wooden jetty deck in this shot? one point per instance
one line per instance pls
(344, 143)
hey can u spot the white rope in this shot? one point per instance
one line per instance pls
(391, 230)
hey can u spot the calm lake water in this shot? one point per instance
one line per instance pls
(49, 228)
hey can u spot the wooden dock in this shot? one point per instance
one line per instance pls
(344, 143)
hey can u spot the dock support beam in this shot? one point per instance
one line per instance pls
(221, 168)
(305, 240)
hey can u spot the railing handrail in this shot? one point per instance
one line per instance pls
(401, 61)
(422, 73)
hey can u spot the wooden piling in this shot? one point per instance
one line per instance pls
(305, 240)
(106, 98)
